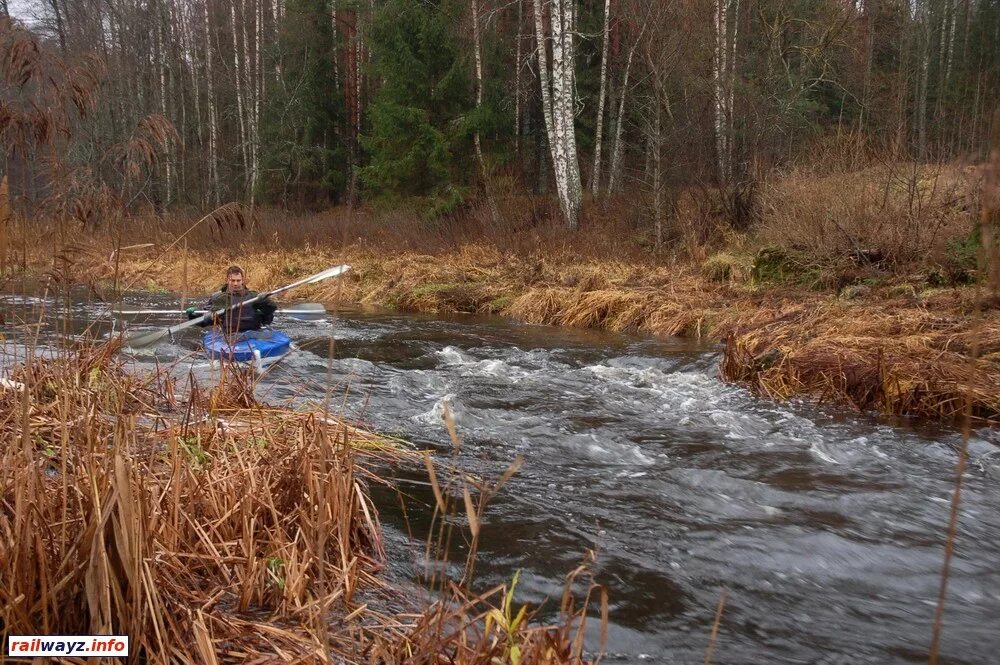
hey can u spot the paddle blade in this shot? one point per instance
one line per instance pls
(145, 339)
(327, 274)
(306, 311)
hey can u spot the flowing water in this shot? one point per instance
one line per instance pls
(826, 528)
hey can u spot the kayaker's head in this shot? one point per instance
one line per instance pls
(234, 279)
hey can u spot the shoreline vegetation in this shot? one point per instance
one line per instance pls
(889, 349)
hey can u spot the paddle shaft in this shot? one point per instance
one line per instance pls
(318, 310)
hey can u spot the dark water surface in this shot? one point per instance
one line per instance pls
(826, 528)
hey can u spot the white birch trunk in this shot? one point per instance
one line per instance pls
(953, 19)
(477, 45)
(258, 98)
(479, 81)
(543, 69)
(213, 158)
(719, 77)
(595, 174)
(238, 81)
(557, 139)
(276, 13)
(175, 84)
(574, 184)
(187, 41)
(563, 139)
(247, 81)
(615, 178)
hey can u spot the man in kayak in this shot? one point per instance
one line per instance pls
(238, 319)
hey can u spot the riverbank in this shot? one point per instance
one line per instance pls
(897, 346)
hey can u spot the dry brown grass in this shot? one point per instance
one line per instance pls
(209, 535)
(900, 354)
(898, 212)
(908, 362)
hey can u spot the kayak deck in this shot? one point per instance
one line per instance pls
(261, 347)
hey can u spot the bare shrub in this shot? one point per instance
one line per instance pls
(895, 212)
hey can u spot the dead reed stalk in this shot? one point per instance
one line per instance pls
(201, 534)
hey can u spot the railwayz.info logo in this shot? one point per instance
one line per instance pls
(81, 646)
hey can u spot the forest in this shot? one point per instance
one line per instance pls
(442, 105)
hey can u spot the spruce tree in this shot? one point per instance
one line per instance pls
(418, 141)
(303, 155)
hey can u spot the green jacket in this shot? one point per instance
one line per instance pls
(252, 317)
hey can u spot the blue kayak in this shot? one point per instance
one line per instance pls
(258, 346)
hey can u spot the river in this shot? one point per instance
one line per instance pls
(825, 527)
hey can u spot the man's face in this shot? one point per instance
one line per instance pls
(235, 282)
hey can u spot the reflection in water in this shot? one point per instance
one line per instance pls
(826, 528)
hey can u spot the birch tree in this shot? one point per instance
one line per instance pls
(477, 141)
(213, 156)
(726, 23)
(557, 102)
(595, 174)
(239, 82)
(618, 149)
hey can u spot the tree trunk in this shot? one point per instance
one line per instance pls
(871, 13)
(163, 66)
(276, 14)
(477, 46)
(333, 30)
(558, 104)
(719, 76)
(922, 80)
(60, 31)
(614, 181)
(543, 76)
(517, 80)
(247, 83)
(657, 176)
(350, 19)
(258, 99)
(731, 88)
(595, 174)
(213, 158)
(238, 83)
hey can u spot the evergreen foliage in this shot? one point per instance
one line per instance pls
(303, 156)
(421, 120)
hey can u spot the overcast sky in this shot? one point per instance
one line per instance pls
(23, 9)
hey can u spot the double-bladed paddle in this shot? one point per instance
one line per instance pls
(306, 311)
(152, 337)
